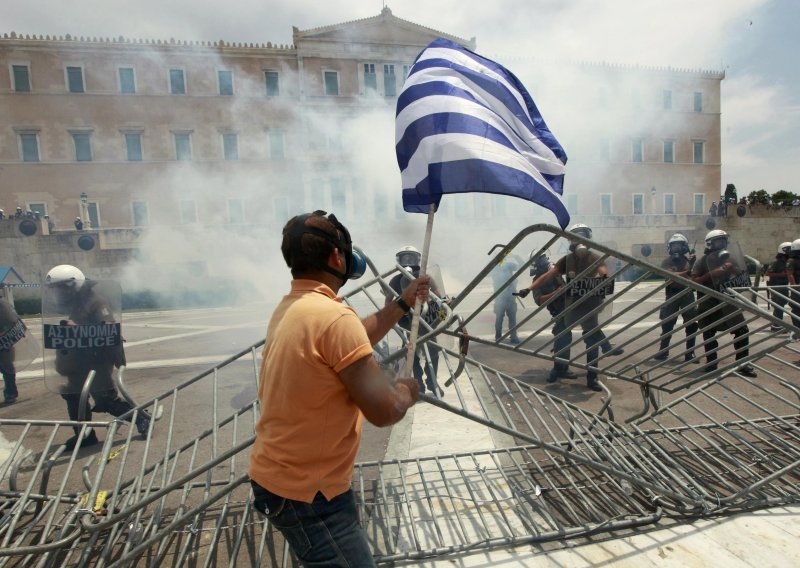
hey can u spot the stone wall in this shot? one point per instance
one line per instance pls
(759, 232)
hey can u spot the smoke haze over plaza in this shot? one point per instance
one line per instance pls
(752, 41)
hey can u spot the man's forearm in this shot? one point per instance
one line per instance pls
(379, 323)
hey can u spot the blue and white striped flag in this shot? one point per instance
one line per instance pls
(467, 124)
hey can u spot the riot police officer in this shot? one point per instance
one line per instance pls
(86, 305)
(716, 267)
(8, 319)
(576, 262)
(542, 294)
(793, 273)
(678, 298)
(778, 282)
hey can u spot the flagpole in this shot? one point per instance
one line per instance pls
(408, 370)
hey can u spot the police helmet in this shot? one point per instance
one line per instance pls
(408, 257)
(784, 248)
(795, 246)
(540, 265)
(580, 229)
(678, 244)
(65, 275)
(716, 240)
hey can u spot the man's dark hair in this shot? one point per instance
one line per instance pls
(309, 252)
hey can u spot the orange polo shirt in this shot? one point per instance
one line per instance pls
(309, 430)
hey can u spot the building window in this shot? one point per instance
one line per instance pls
(669, 203)
(389, 81)
(280, 208)
(698, 152)
(188, 208)
(699, 203)
(29, 146)
(331, 83)
(318, 194)
(139, 213)
(83, 146)
(183, 146)
(605, 204)
(572, 204)
(21, 78)
(236, 211)
(605, 150)
(669, 151)
(133, 146)
(667, 99)
(177, 82)
(127, 81)
(638, 203)
(276, 146)
(370, 79)
(230, 146)
(39, 208)
(75, 79)
(637, 150)
(225, 80)
(338, 198)
(381, 201)
(272, 83)
(406, 71)
(94, 214)
(698, 102)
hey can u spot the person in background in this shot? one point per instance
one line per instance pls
(717, 321)
(793, 273)
(577, 261)
(78, 224)
(85, 305)
(541, 294)
(409, 257)
(680, 262)
(778, 274)
(505, 304)
(712, 211)
(8, 319)
(318, 381)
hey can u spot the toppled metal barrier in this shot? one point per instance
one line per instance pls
(665, 438)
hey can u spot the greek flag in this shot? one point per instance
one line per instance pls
(467, 124)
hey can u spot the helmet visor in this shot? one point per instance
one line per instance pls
(678, 248)
(408, 258)
(585, 232)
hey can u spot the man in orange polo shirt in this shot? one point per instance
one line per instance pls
(318, 380)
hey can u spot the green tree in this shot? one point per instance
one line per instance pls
(760, 196)
(782, 196)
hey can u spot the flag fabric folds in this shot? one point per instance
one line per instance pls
(466, 124)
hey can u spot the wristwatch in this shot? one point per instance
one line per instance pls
(403, 305)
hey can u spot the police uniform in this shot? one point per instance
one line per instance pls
(8, 319)
(571, 266)
(779, 282)
(718, 321)
(669, 310)
(556, 309)
(398, 283)
(90, 307)
(793, 267)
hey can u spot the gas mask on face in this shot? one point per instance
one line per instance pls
(580, 250)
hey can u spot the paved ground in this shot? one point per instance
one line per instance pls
(166, 348)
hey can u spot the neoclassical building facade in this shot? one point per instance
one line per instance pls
(134, 133)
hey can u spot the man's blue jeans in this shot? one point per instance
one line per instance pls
(322, 533)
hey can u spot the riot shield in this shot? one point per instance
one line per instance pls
(434, 311)
(18, 348)
(82, 332)
(733, 273)
(589, 295)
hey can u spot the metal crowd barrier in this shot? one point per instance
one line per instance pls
(565, 463)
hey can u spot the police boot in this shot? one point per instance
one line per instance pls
(10, 393)
(592, 383)
(89, 439)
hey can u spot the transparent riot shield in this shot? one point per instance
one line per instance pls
(732, 271)
(18, 348)
(434, 311)
(588, 296)
(82, 332)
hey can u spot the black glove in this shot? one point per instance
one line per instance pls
(524, 292)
